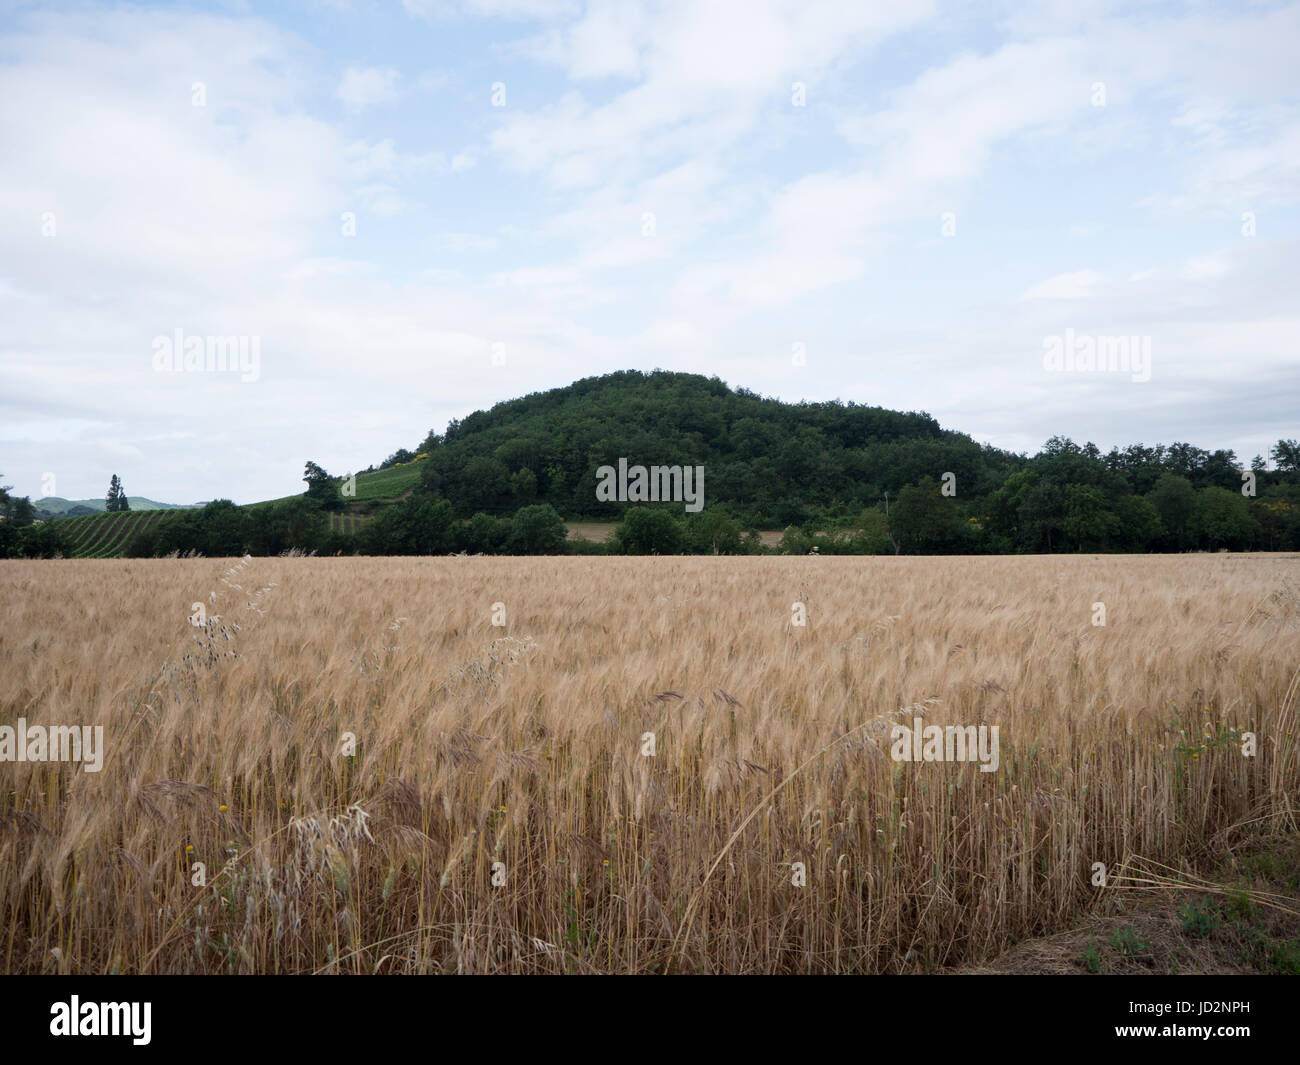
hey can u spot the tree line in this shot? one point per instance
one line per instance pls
(1066, 498)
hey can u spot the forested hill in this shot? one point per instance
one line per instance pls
(765, 460)
(836, 477)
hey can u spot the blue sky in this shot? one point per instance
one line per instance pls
(652, 193)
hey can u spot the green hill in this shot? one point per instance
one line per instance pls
(868, 478)
(57, 506)
(766, 460)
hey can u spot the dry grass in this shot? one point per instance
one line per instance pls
(522, 745)
(595, 531)
(1246, 920)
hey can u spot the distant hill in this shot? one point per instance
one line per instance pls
(58, 507)
(899, 479)
(766, 460)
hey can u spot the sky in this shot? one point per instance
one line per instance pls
(408, 211)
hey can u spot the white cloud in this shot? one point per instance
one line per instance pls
(467, 243)
(770, 225)
(362, 87)
(432, 80)
(434, 10)
(383, 159)
(708, 75)
(382, 200)
(1076, 286)
(1264, 173)
(1207, 267)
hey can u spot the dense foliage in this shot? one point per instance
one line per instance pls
(770, 463)
(22, 535)
(848, 478)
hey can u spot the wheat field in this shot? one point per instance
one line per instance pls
(349, 768)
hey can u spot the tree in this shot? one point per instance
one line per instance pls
(1222, 519)
(321, 488)
(16, 510)
(1174, 499)
(293, 523)
(1277, 514)
(537, 530)
(219, 529)
(1063, 462)
(429, 526)
(794, 541)
(485, 485)
(21, 512)
(645, 531)
(1089, 521)
(711, 532)
(414, 526)
(8, 534)
(1286, 453)
(1042, 517)
(1182, 458)
(1222, 468)
(483, 534)
(223, 530)
(1140, 528)
(871, 537)
(116, 499)
(144, 544)
(925, 522)
(45, 540)
(1004, 506)
(523, 486)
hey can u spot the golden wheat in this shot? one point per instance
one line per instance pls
(500, 810)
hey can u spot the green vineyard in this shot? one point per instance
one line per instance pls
(107, 535)
(387, 484)
(382, 486)
(347, 523)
